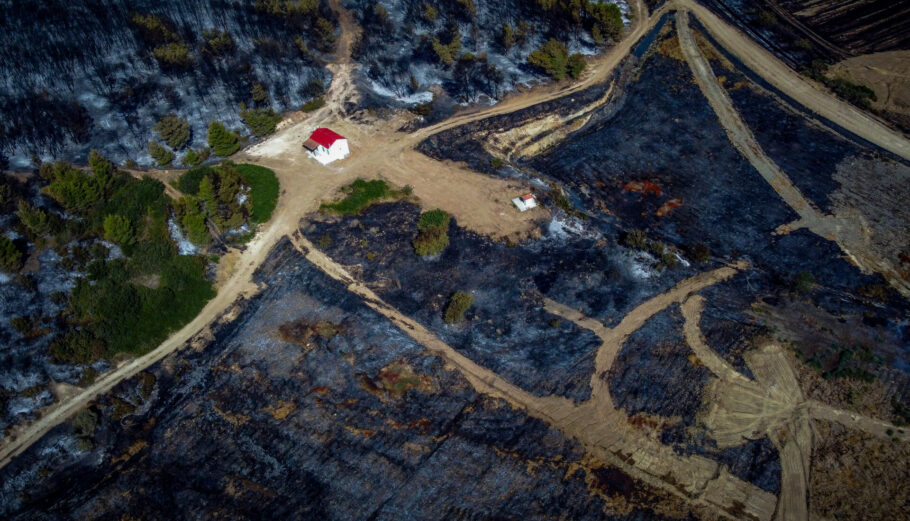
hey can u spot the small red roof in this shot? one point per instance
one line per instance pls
(527, 197)
(325, 137)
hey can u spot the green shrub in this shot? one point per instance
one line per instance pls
(264, 189)
(118, 229)
(551, 57)
(261, 122)
(313, 105)
(188, 182)
(855, 93)
(700, 252)
(23, 325)
(194, 157)
(222, 141)
(804, 282)
(576, 65)
(429, 13)
(458, 306)
(84, 423)
(174, 131)
(175, 55)
(433, 236)
(359, 195)
(433, 219)
(668, 259)
(161, 155)
(636, 239)
(154, 29)
(10, 256)
(431, 242)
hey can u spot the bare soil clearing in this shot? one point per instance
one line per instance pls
(886, 73)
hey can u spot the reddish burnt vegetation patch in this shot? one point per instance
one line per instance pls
(394, 381)
(644, 187)
(669, 206)
(303, 332)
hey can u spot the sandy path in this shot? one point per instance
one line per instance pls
(691, 311)
(614, 338)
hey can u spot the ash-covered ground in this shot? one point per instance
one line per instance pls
(399, 65)
(343, 417)
(82, 75)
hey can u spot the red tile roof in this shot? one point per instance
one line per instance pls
(325, 137)
(527, 197)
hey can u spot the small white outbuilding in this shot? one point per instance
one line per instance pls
(525, 202)
(326, 145)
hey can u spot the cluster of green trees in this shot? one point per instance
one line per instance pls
(448, 52)
(303, 14)
(216, 198)
(433, 233)
(212, 195)
(287, 7)
(553, 58)
(603, 20)
(638, 239)
(217, 43)
(108, 311)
